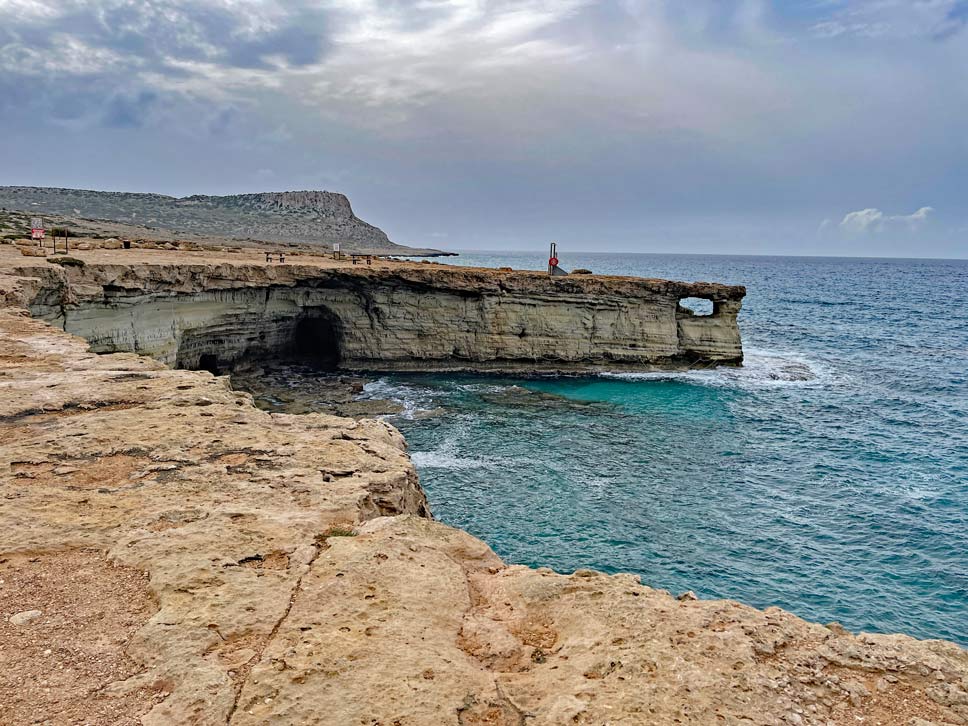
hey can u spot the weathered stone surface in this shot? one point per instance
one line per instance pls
(218, 564)
(56, 667)
(401, 316)
(24, 617)
(173, 473)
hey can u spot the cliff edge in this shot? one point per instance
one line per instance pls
(183, 308)
(171, 554)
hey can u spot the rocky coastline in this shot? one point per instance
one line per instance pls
(195, 312)
(170, 553)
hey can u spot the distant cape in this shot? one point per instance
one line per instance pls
(301, 217)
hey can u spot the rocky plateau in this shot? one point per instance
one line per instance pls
(300, 218)
(171, 554)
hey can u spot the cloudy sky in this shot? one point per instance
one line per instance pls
(746, 126)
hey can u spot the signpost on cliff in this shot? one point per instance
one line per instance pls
(61, 232)
(37, 230)
(553, 268)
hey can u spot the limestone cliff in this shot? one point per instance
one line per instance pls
(169, 554)
(390, 316)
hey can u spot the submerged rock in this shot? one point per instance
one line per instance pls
(301, 389)
(513, 396)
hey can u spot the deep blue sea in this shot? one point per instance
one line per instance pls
(829, 476)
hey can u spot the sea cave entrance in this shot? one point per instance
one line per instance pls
(316, 339)
(209, 362)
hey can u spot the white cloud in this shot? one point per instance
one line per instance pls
(393, 61)
(67, 55)
(919, 216)
(890, 19)
(874, 220)
(630, 109)
(863, 220)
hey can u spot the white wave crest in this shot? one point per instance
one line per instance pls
(414, 400)
(761, 369)
(444, 459)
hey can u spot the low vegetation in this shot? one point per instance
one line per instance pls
(66, 261)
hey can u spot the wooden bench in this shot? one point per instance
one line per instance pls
(361, 257)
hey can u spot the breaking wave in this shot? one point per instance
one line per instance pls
(761, 369)
(415, 400)
(445, 459)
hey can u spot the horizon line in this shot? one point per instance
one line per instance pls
(714, 254)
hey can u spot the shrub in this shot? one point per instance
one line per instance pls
(336, 530)
(66, 261)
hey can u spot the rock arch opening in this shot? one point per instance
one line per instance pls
(696, 306)
(308, 335)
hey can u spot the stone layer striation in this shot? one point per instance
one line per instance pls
(262, 568)
(392, 316)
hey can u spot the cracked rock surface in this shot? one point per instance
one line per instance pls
(198, 561)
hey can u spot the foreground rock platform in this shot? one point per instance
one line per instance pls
(195, 560)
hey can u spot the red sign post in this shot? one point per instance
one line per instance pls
(37, 230)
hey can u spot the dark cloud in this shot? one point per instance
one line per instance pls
(621, 124)
(129, 111)
(224, 121)
(157, 32)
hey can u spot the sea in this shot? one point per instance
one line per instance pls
(827, 476)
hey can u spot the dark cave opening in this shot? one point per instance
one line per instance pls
(209, 362)
(316, 339)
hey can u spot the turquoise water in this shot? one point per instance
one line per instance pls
(829, 476)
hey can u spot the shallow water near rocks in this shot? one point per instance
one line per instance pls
(829, 476)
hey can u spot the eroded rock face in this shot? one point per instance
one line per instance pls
(391, 317)
(226, 565)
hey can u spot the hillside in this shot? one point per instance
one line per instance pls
(304, 217)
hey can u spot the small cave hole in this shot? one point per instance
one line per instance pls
(696, 306)
(317, 340)
(209, 362)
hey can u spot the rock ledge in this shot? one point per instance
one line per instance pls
(199, 561)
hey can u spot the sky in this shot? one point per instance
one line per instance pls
(692, 126)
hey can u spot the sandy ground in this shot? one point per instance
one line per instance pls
(80, 612)
(10, 256)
